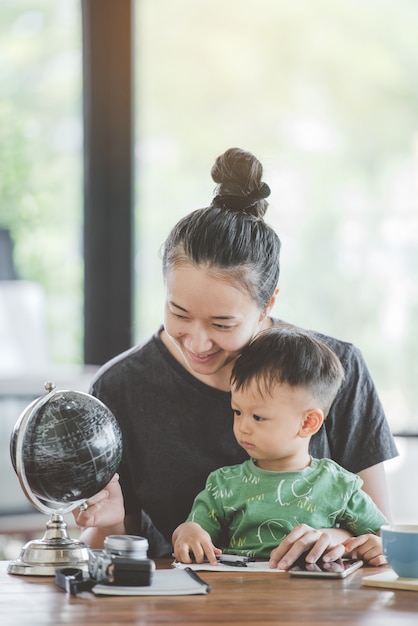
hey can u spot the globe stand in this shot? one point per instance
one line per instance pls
(42, 557)
(85, 421)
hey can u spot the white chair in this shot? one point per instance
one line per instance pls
(23, 328)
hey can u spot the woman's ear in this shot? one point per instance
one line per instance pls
(312, 422)
(270, 304)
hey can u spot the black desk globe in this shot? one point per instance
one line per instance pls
(65, 447)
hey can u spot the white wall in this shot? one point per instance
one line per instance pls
(402, 475)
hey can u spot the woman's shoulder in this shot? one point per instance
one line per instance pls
(129, 362)
(345, 350)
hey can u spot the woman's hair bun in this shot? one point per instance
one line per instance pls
(238, 175)
(263, 192)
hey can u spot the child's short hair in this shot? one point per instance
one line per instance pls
(285, 354)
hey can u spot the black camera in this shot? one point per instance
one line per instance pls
(123, 562)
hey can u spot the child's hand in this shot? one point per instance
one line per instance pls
(320, 543)
(366, 547)
(189, 538)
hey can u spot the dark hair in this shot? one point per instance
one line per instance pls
(285, 354)
(231, 235)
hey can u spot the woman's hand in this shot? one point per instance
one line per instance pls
(366, 547)
(326, 544)
(189, 538)
(104, 509)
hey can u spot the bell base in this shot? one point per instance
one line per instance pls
(39, 559)
(42, 557)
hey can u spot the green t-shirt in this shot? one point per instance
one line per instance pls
(255, 509)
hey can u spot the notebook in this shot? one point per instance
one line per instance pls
(175, 582)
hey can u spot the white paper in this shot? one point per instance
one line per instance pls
(256, 566)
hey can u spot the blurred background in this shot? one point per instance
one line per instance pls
(324, 93)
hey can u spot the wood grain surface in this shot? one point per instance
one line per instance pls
(236, 598)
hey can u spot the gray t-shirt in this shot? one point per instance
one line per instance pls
(176, 430)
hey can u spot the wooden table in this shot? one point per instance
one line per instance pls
(235, 598)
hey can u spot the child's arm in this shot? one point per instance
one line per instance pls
(366, 547)
(189, 538)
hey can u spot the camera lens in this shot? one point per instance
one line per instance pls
(131, 546)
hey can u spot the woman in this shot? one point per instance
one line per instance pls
(171, 395)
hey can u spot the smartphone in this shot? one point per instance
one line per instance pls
(233, 559)
(334, 569)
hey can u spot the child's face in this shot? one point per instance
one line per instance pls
(268, 426)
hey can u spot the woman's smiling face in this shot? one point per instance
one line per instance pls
(209, 318)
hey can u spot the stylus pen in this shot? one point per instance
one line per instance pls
(197, 578)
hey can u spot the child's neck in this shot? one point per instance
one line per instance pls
(288, 464)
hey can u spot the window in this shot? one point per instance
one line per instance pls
(324, 94)
(41, 161)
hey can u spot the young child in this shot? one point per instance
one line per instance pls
(282, 387)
